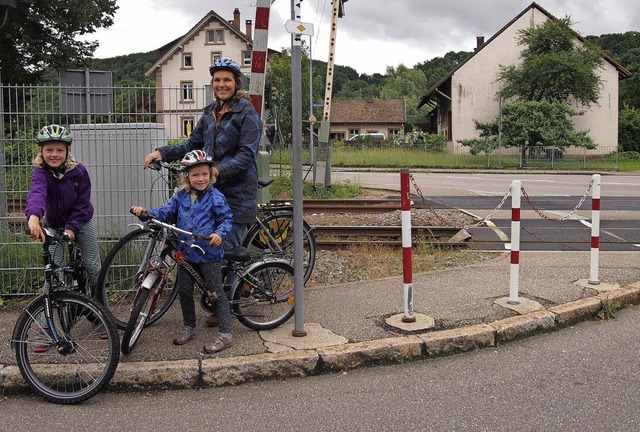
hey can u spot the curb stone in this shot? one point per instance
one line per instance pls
(300, 363)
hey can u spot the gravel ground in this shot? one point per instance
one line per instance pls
(372, 262)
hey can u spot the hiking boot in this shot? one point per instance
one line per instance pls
(218, 344)
(42, 341)
(185, 334)
(213, 321)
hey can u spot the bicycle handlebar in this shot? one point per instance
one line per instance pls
(157, 165)
(146, 217)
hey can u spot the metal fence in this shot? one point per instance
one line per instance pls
(111, 138)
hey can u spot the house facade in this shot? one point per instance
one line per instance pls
(182, 71)
(468, 92)
(367, 116)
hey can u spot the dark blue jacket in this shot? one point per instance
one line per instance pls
(66, 201)
(208, 214)
(233, 143)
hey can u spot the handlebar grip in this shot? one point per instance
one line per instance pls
(144, 216)
(155, 165)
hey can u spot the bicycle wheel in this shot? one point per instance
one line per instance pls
(279, 235)
(84, 360)
(262, 298)
(124, 269)
(137, 320)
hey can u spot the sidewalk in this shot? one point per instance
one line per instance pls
(347, 324)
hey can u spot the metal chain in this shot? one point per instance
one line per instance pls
(477, 224)
(543, 216)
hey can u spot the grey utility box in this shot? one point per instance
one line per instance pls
(114, 155)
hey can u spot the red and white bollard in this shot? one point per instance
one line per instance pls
(405, 202)
(515, 242)
(595, 230)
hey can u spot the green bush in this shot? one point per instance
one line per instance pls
(422, 140)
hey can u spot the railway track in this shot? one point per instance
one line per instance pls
(335, 237)
(347, 205)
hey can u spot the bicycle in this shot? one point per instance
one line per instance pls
(66, 345)
(261, 296)
(272, 232)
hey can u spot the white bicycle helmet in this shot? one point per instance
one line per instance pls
(195, 157)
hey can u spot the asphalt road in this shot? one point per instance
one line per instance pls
(583, 378)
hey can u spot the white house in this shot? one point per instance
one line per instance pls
(468, 92)
(182, 71)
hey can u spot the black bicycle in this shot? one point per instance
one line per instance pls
(271, 233)
(66, 345)
(261, 297)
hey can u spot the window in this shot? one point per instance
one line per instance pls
(394, 132)
(215, 37)
(187, 126)
(246, 58)
(353, 132)
(217, 55)
(187, 61)
(187, 90)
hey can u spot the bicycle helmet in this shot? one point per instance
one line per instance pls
(225, 63)
(54, 132)
(195, 157)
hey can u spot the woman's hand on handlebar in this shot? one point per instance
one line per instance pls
(154, 155)
(138, 211)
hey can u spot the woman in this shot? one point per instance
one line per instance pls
(229, 130)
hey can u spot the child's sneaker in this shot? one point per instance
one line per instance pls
(218, 343)
(42, 341)
(185, 334)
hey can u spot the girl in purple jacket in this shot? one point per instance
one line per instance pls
(60, 194)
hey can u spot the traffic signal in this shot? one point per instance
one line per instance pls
(270, 95)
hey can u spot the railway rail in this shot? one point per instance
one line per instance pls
(334, 237)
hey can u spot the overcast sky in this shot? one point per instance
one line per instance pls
(372, 35)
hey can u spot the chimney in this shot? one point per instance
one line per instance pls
(236, 19)
(247, 32)
(479, 42)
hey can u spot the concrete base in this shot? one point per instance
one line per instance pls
(524, 306)
(600, 287)
(281, 339)
(422, 322)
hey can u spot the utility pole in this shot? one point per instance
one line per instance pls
(322, 164)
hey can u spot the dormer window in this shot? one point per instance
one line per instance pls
(187, 61)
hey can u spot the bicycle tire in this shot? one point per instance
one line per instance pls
(137, 321)
(262, 295)
(280, 225)
(81, 372)
(122, 273)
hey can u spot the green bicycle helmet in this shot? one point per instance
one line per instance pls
(54, 132)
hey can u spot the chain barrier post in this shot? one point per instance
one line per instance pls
(595, 230)
(405, 202)
(515, 242)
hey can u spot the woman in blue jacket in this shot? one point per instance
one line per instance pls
(202, 209)
(229, 131)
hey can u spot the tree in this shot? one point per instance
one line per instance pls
(555, 66)
(629, 127)
(41, 35)
(404, 83)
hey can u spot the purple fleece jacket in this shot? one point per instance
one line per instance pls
(66, 201)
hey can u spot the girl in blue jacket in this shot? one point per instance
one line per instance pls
(199, 208)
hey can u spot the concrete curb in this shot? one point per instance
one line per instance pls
(192, 373)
